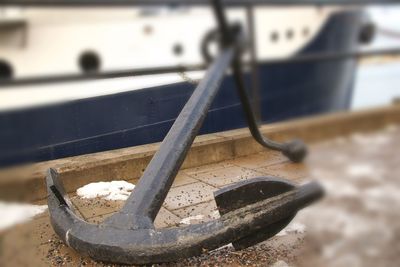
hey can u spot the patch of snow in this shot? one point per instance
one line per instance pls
(16, 213)
(346, 260)
(114, 190)
(293, 228)
(341, 222)
(385, 191)
(189, 220)
(329, 251)
(215, 214)
(280, 263)
(372, 252)
(370, 139)
(228, 246)
(340, 189)
(358, 170)
(381, 197)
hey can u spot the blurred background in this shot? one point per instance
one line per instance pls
(81, 80)
(61, 69)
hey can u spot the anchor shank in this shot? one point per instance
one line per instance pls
(157, 179)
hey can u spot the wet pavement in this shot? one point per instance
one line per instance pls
(356, 224)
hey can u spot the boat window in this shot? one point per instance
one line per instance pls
(177, 49)
(89, 61)
(6, 70)
(274, 37)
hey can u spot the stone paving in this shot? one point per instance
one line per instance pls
(357, 224)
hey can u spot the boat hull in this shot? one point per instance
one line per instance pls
(287, 90)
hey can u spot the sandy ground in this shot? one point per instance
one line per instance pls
(356, 224)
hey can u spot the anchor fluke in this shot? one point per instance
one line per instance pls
(248, 192)
(109, 243)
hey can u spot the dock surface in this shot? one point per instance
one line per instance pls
(356, 224)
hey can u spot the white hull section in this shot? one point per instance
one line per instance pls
(39, 42)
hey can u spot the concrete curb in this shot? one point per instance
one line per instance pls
(27, 182)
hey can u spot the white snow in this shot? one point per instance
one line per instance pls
(377, 139)
(114, 190)
(215, 214)
(280, 263)
(16, 213)
(293, 228)
(189, 220)
(357, 170)
(340, 189)
(195, 218)
(228, 246)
